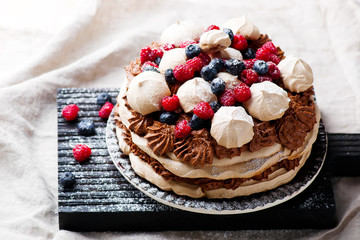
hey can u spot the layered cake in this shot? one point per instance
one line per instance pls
(217, 111)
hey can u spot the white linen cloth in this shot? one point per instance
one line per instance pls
(97, 39)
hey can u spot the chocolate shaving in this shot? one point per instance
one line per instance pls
(160, 138)
(195, 149)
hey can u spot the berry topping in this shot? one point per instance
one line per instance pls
(170, 103)
(262, 54)
(270, 47)
(102, 98)
(105, 110)
(81, 152)
(208, 73)
(261, 67)
(197, 123)
(249, 63)
(275, 59)
(242, 92)
(70, 112)
(271, 66)
(86, 127)
(239, 42)
(212, 27)
(217, 63)
(158, 53)
(186, 43)
(195, 63)
(148, 54)
(234, 66)
(192, 50)
(67, 179)
(182, 129)
(227, 98)
(168, 46)
(148, 63)
(205, 58)
(169, 76)
(249, 53)
(249, 76)
(168, 118)
(230, 33)
(264, 78)
(273, 71)
(215, 106)
(183, 73)
(203, 110)
(157, 61)
(217, 86)
(150, 68)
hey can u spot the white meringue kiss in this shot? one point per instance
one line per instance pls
(214, 41)
(243, 27)
(181, 31)
(172, 58)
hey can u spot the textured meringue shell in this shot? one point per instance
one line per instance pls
(214, 41)
(268, 101)
(146, 91)
(232, 127)
(296, 74)
(172, 58)
(181, 31)
(194, 91)
(243, 27)
(231, 81)
(228, 53)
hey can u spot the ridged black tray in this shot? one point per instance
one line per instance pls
(103, 200)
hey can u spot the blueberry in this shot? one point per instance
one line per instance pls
(192, 50)
(229, 32)
(168, 118)
(217, 63)
(217, 86)
(86, 127)
(157, 61)
(208, 73)
(67, 179)
(169, 76)
(261, 67)
(151, 68)
(102, 98)
(249, 53)
(215, 106)
(234, 66)
(197, 123)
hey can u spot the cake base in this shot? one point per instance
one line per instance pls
(102, 200)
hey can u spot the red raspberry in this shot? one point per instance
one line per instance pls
(184, 44)
(182, 129)
(242, 92)
(195, 63)
(70, 112)
(262, 54)
(227, 98)
(275, 75)
(105, 110)
(250, 76)
(148, 63)
(264, 78)
(271, 66)
(203, 110)
(145, 54)
(239, 42)
(183, 73)
(81, 152)
(158, 53)
(212, 27)
(249, 63)
(168, 46)
(269, 47)
(274, 58)
(205, 58)
(170, 104)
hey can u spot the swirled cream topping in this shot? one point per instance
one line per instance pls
(194, 91)
(228, 53)
(172, 58)
(243, 27)
(268, 101)
(181, 31)
(146, 91)
(296, 74)
(232, 127)
(230, 80)
(214, 41)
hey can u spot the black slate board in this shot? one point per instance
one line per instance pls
(102, 200)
